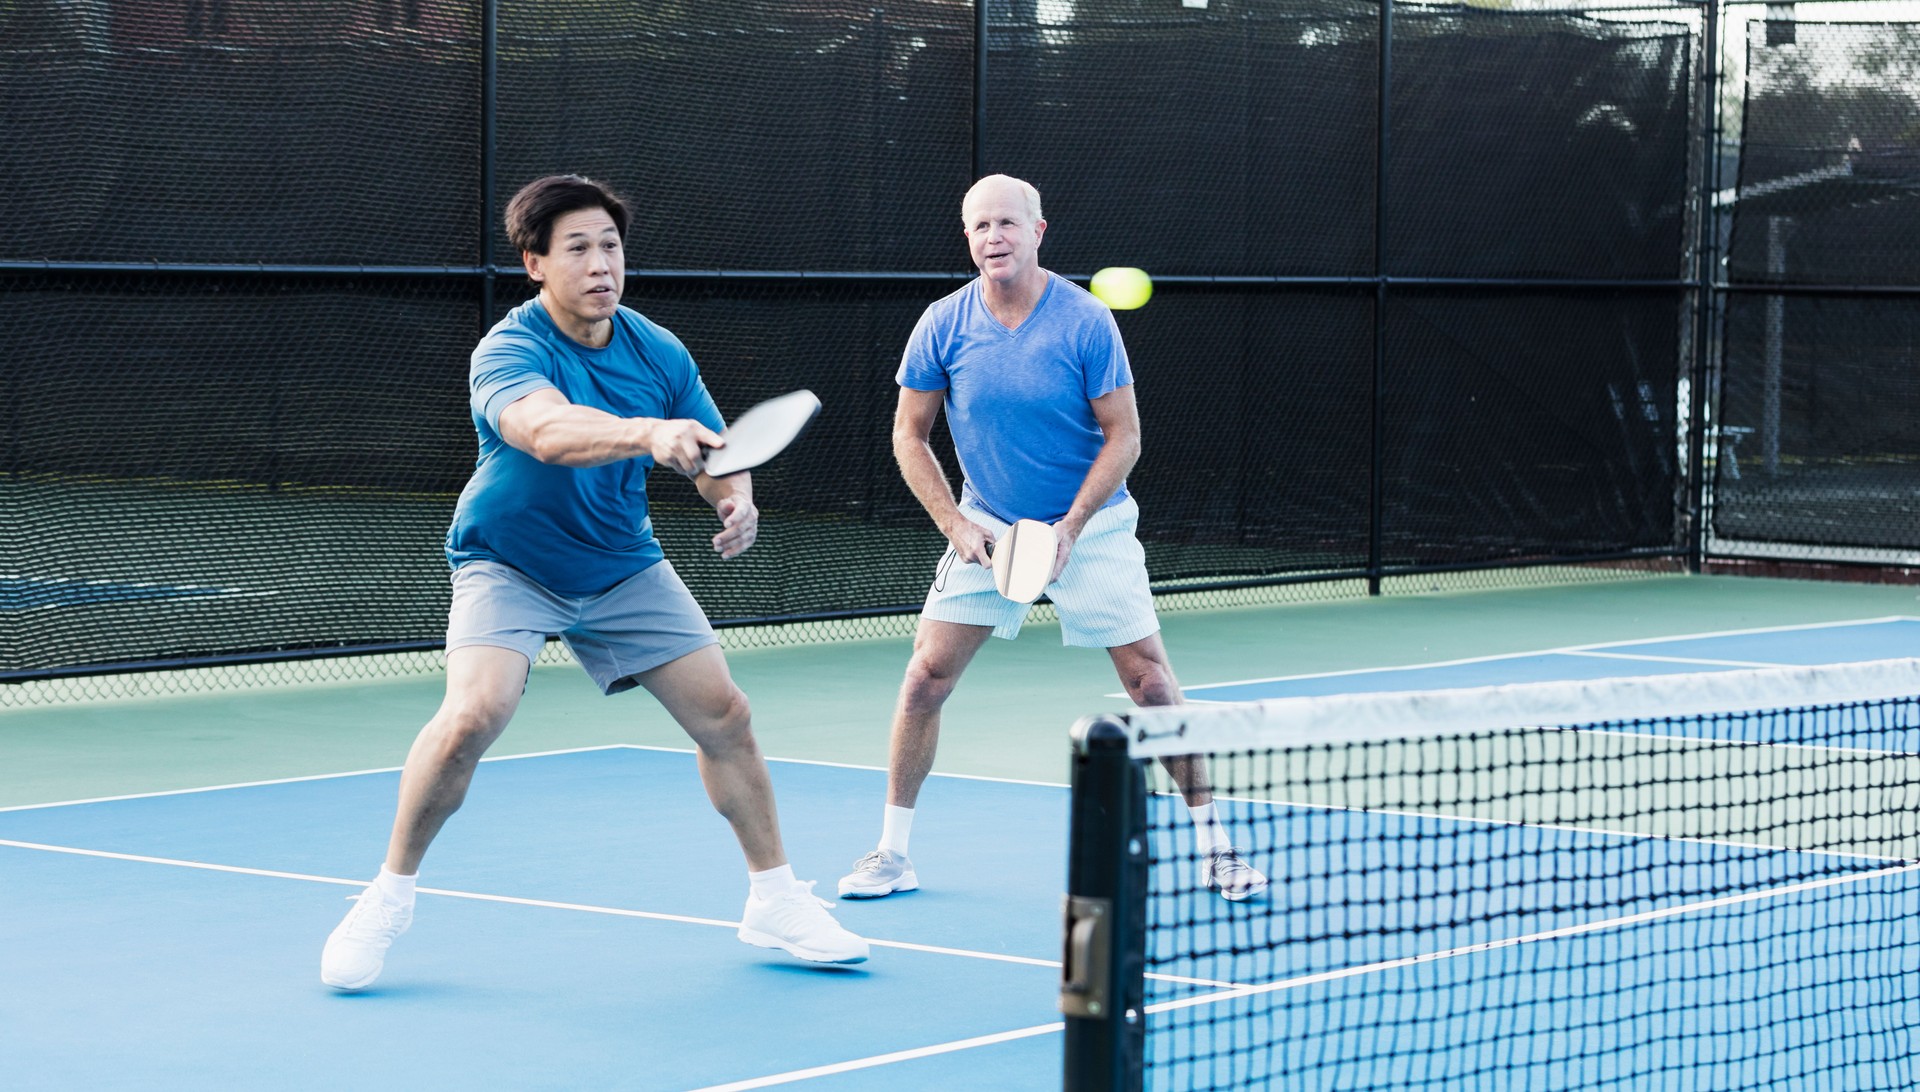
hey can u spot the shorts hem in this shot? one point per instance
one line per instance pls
(939, 611)
(489, 641)
(1082, 640)
(627, 680)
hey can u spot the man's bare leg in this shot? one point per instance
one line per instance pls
(941, 652)
(484, 685)
(698, 691)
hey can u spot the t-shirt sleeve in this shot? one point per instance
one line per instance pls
(504, 370)
(921, 366)
(691, 398)
(1104, 357)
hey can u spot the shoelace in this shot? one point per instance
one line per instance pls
(872, 862)
(802, 896)
(373, 917)
(1230, 870)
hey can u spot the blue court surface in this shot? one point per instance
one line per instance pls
(1788, 646)
(580, 934)
(576, 930)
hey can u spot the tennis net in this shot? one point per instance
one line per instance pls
(1706, 880)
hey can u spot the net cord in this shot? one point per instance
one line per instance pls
(1281, 723)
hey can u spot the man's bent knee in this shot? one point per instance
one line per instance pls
(463, 732)
(725, 724)
(927, 685)
(734, 715)
(1151, 684)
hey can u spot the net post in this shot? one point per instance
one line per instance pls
(1102, 972)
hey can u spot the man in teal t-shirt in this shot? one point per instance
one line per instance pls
(575, 398)
(1038, 394)
(577, 530)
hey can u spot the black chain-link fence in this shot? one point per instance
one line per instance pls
(1428, 287)
(1818, 425)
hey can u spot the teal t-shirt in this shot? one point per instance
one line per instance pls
(1017, 401)
(577, 531)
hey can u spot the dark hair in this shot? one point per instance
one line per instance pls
(531, 213)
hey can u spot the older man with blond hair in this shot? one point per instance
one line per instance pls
(1038, 394)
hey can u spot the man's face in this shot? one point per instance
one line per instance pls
(1002, 234)
(584, 267)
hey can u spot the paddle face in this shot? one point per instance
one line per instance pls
(762, 432)
(1023, 560)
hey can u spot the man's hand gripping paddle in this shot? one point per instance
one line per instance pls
(762, 432)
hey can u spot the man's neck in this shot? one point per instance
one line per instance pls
(594, 335)
(1012, 302)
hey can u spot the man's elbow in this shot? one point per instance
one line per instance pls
(906, 442)
(547, 446)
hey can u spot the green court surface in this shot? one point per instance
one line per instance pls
(831, 702)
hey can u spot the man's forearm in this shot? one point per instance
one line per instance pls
(921, 470)
(1104, 477)
(581, 436)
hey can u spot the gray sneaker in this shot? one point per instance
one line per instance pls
(1224, 871)
(878, 873)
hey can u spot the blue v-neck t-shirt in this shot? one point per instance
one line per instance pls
(1017, 401)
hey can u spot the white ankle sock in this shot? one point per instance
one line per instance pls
(894, 830)
(397, 889)
(773, 882)
(1208, 834)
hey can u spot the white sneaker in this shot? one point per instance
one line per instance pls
(1224, 871)
(878, 873)
(357, 947)
(798, 923)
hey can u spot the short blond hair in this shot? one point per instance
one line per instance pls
(1026, 190)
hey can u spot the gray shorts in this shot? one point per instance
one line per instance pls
(644, 621)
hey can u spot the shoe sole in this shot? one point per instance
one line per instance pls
(360, 984)
(1243, 896)
(768, 940)
(907, 882)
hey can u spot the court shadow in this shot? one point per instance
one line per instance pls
(820, 970)
(398, 991)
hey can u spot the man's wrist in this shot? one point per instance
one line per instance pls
(641, 436)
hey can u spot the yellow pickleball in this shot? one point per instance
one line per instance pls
(1122, 287)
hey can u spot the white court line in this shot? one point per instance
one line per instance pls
(474, 895)
(290, 780)
(1551, 934)
(886, 1059)
(1641, 656)
(859, 766)
(78, 852)
(586, 908)
(1566, 650)
(502, 758)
